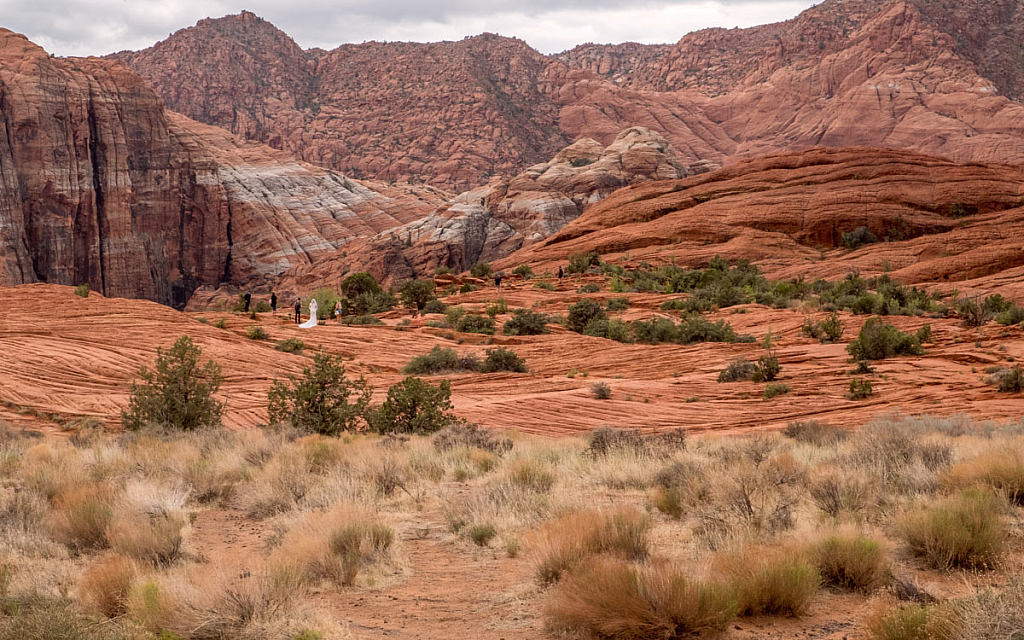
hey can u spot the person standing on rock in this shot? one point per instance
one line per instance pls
(497, 280)
(337, 311)
(560, 274)
(273, 302)
(298, 311)
(248, 299)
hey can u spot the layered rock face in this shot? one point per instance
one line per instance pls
(493, 221)
(100, 185)
(454, 113)
(935, 76)
(936, 221)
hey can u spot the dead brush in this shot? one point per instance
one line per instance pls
(612, 598)
(838, 492)
(758, 492)
(472, 436)
(563, 543)
(815, 433)
(605, 440)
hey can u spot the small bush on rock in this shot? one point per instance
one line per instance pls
(319, 401)
(178, 393)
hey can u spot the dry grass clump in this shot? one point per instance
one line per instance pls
(841, 492)
(900, 453)
(80, 517)
(914, 622)
(156, 540)
(530, 474)
(279, 487)
(680, 484)
(754, 487)
(815, 433)
(335, 546)
(848, 560)
(771, 580)
(472, 436)
(561, 544)
(51, 469)
(965, 530)
(992, 615)
(603, 441)
(1001, 469)
(611, 598)
(105, 585)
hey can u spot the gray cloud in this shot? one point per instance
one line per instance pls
(94, 27)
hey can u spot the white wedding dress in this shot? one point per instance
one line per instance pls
(309, 324)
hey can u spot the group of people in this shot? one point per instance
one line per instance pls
(314, 307)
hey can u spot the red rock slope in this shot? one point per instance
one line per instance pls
(944, 222)
(99, 184)
(935, 76)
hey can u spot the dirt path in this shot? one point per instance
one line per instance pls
(452, 592)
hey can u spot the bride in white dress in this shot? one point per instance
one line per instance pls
(313, 308)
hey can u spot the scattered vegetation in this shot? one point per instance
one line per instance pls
(291, 345)
(177, 393)
(525, 323)
(860, 388)
(257, 333)
(83, 290)
(480, 270)
(417, 293)
(879, 340)
(322, 401)
(962, 531)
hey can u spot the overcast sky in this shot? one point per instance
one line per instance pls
(95, 27)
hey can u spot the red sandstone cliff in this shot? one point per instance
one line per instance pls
(99, 184)
(935, 76)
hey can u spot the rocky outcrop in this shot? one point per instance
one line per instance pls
(100, 185)
(937, 221)
(934, 76)
(493, 221)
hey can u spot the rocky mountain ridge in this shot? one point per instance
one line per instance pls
(940, 77)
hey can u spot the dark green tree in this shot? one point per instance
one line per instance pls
(415, 406)
(417, 293)
(321, 401)
(178, 393)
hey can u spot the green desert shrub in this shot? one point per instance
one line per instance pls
(584, 312)
(618, 304)
(737, 370)
(860, 388)
(178, 393)
(434, 306)
(546, 286)
(879, 340)
(482, 534)
(1008, 379)
(498, 307)
(83, 290)
(417, 293)
(581, 262)
(828, 330)
(323, 400)
(772, 581)
(775, 389)
(361, 295)
(695, 328)
(914, 622)
(502, 359)
(858, 238)
(590, 287)
(523, 271)
(438, 360)
(257, 333)
(475, 323)
(848, 560)
(415, 406)
(480, 270)
(361, 320)
(263, 307)
(525, 323)
(655, 331)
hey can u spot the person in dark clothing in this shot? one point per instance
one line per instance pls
(273, 302)
(560, 273)
(298, 311)
(497, 280)
(248, 299)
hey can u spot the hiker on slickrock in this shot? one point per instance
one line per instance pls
(560, 273)
(298, 311)
(248, 299)
(273, 302)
